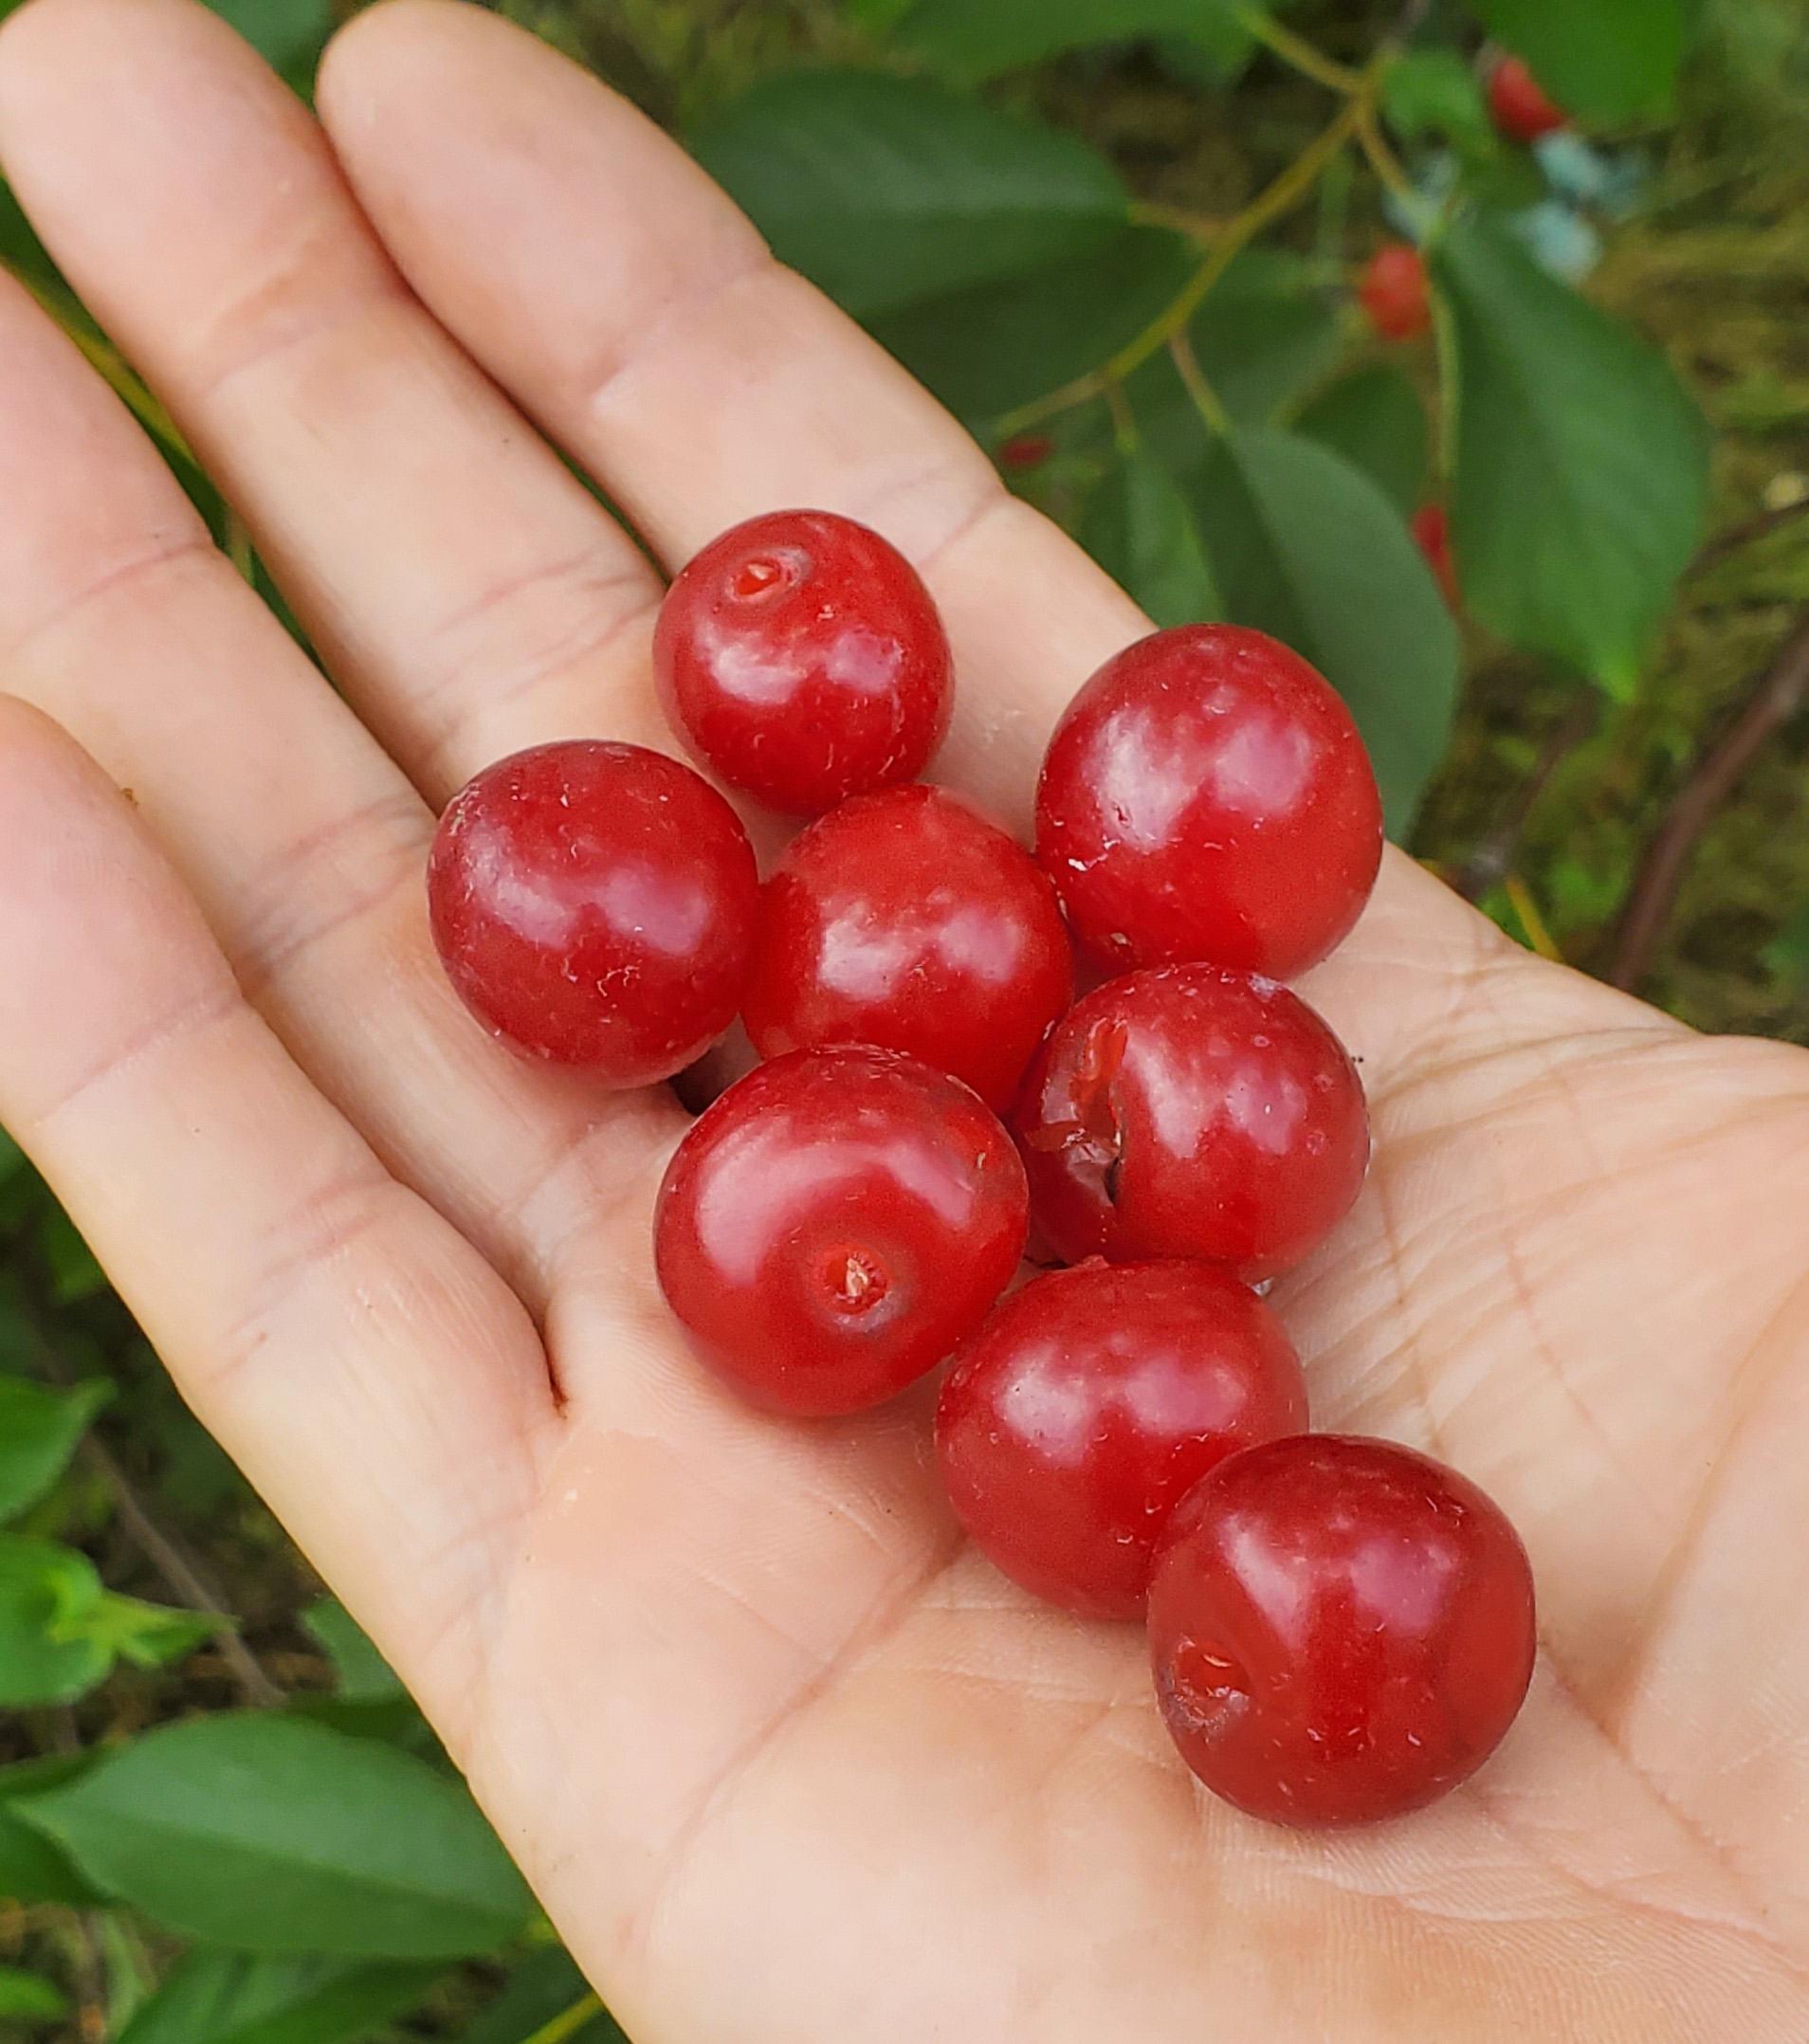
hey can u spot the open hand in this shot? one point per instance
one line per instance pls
(785, 1761)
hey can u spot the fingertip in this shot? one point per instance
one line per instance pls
(404, 31)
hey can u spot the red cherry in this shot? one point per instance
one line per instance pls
(803, 661)
(1341, 1630)
(1089, 1402)
(1393, 293)
(834, 1225)
(1207, 797)
(902, 919)
(1194, 1113)
(1519, 104)
(1432, 535)
(596, 904)
(1026, 450)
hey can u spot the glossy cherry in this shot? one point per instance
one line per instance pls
(1430, 527)
(1089, 1402)
(1519, 102)
(803, 660)
(1341, 1630)
(835, 1226)
(596, 904)
(1024, 451)
(1195, 1113)
(1207, 797)
(1393, 293)
(905, 919)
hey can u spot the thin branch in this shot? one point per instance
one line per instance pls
(1181, 219)
(1305, 57)
(1269, 205)
(1747, 534)
(1388, 168)
(1207, 401)
(569, 2021)
(180, 1572)
(1780, 693)
(1493, 859)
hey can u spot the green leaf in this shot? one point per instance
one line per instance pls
(46, 1591)
(986, 350)
(1581, 475)
(364, 1675)
(289, 34)
(1788, 955)
(1605, 60)
(20, 248)
(227, 1998)
(271, 1834)
(61, 1630)
(978, 39)
(394, 1719)
(1435, 92)
(31, 1868)
(149, 1635)
(1265, 333)
(40, 1429)
(75, 1273)
(1217, 51)
(1139, 530)
(31, 1997)
(1373, 418)
(536, 1993)
(1306, 548)
(891, 190)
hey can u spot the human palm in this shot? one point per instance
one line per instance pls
(782, 1757)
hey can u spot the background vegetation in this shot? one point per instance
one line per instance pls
(221, 1822)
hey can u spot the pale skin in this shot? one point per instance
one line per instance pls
(782, 1757)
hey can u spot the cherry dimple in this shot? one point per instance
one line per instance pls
(800, 657)
(763, 574)
(835, 1224)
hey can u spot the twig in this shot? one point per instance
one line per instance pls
(1532, 920)
(1207, 401)
(181, 1574)
(1269, 205)
(1780, 694)
(568, 2022)
(1182, 219)
(1305, 57)
(1494, 857)
(1747, 534)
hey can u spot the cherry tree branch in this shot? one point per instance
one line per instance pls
(1777, 697)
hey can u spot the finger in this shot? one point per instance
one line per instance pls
(671, 355)
(468, 593)
(349, 1349)
(701, 382)
(302, 842)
